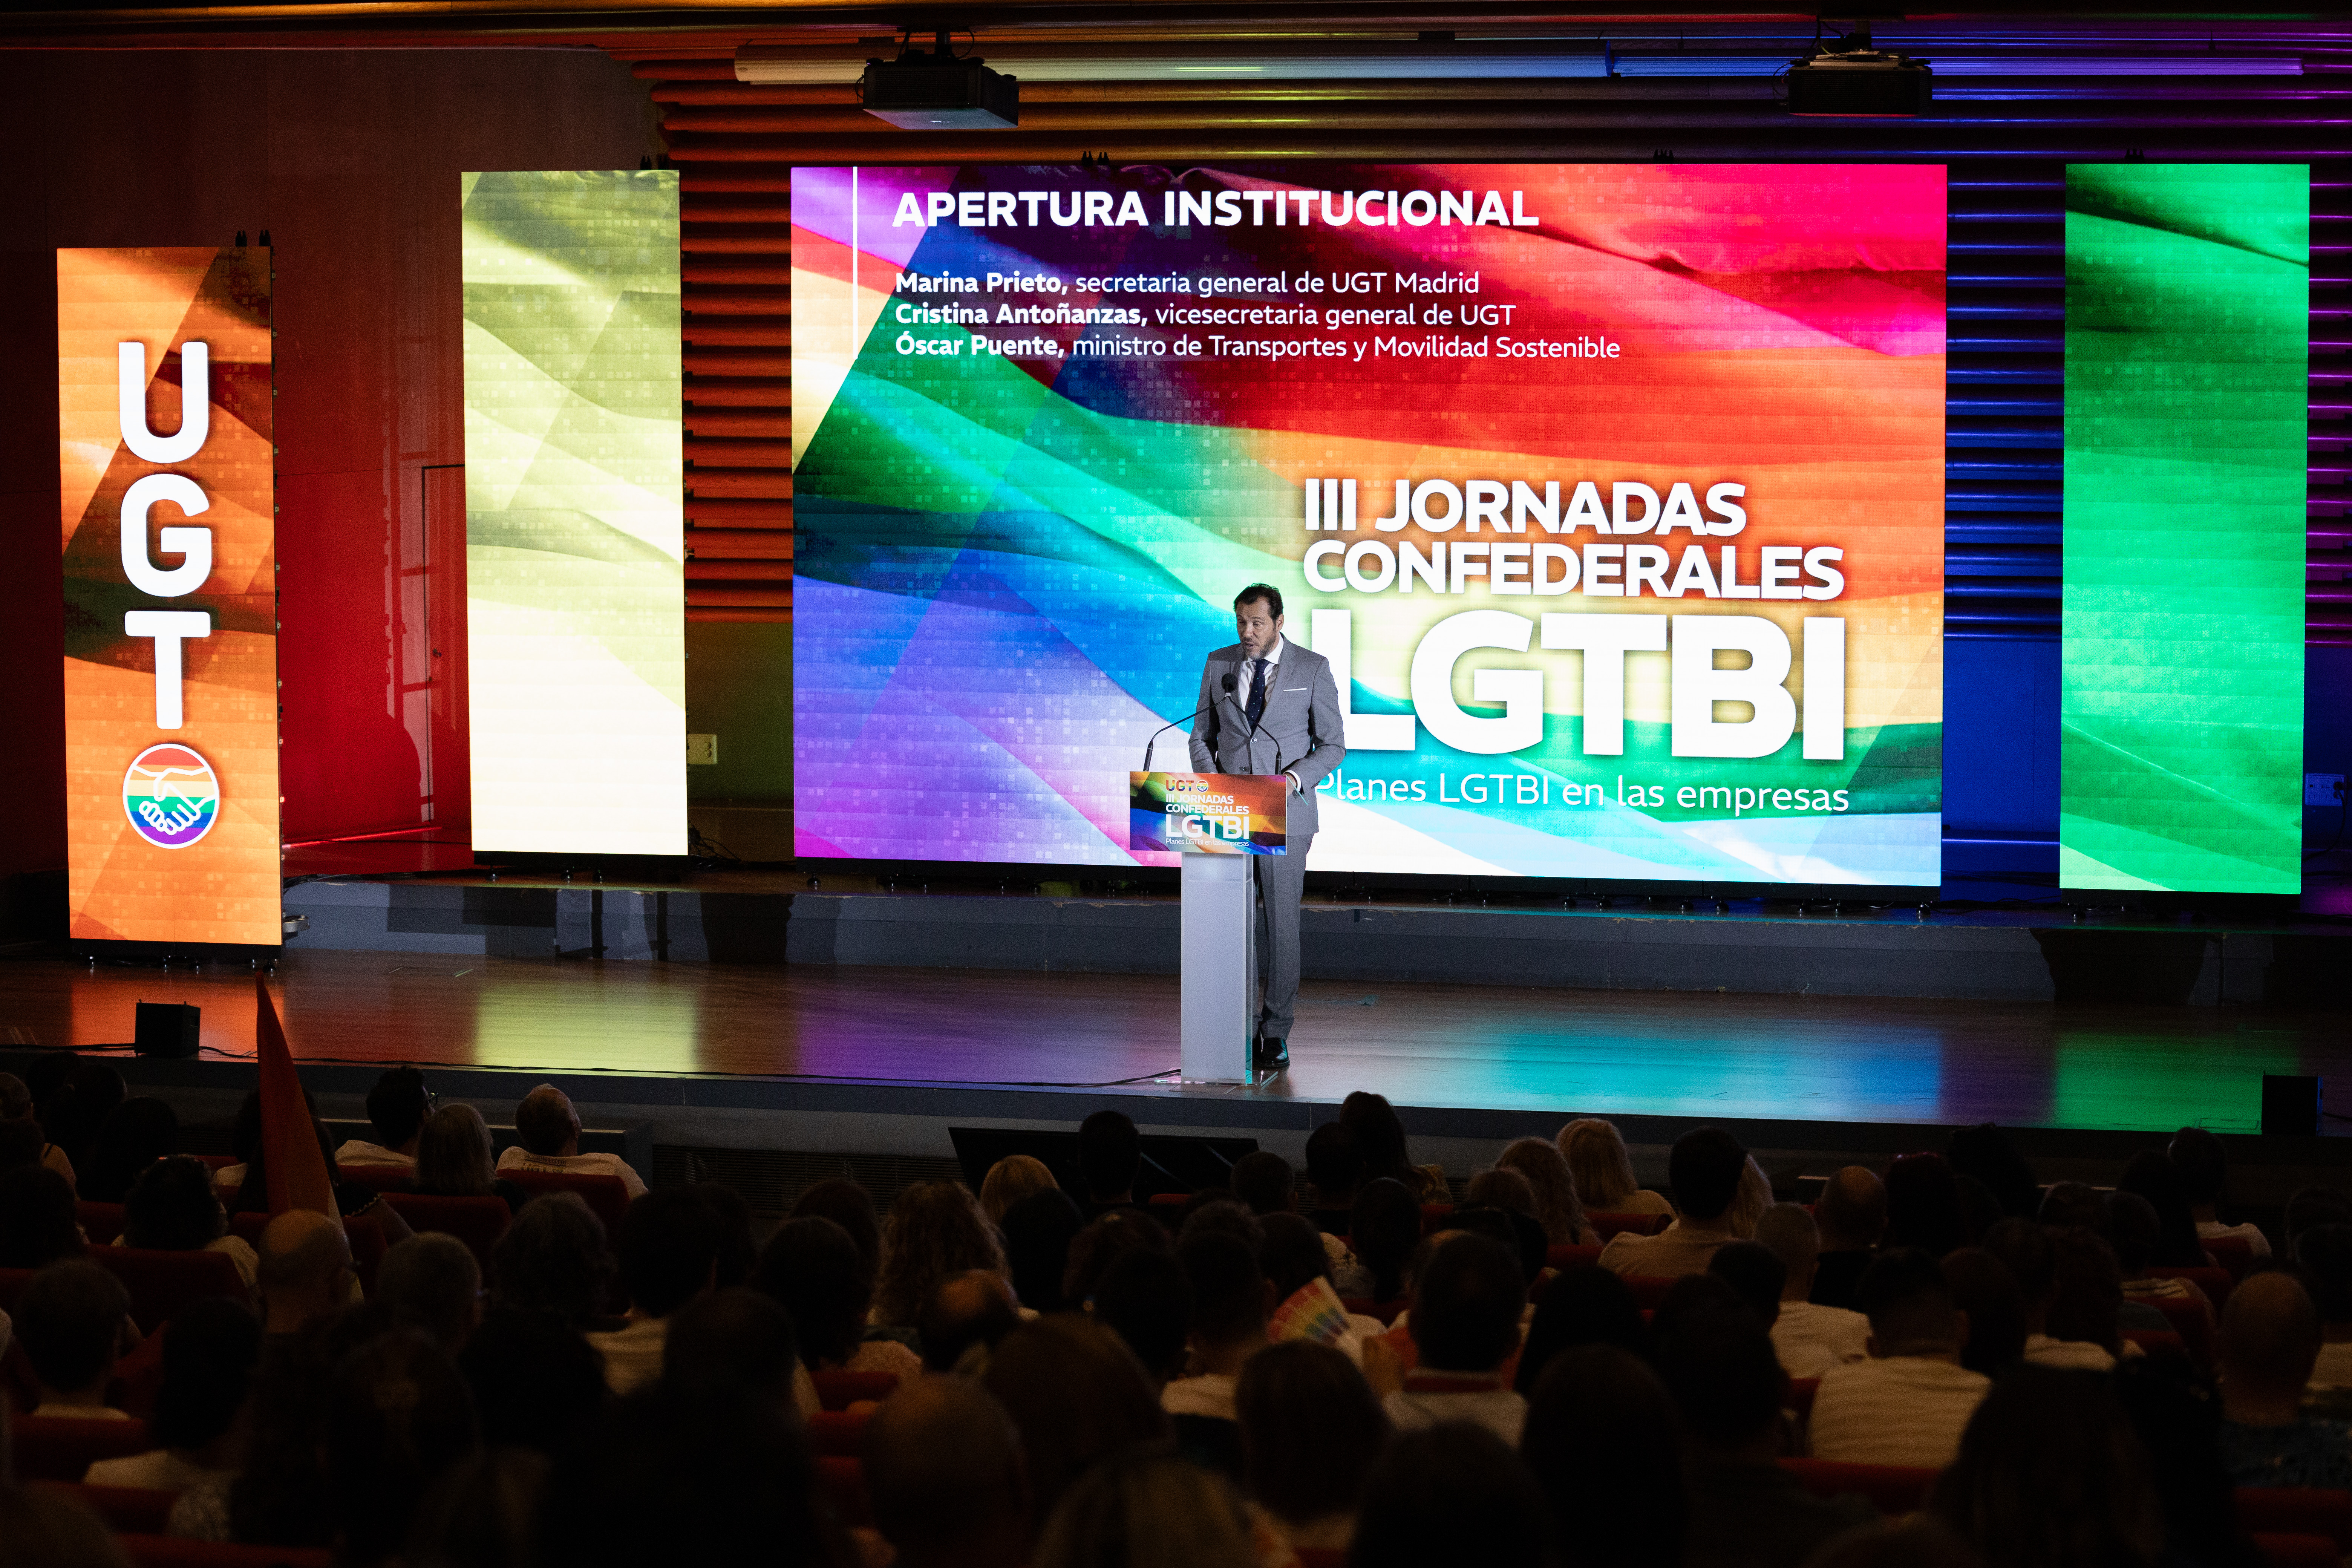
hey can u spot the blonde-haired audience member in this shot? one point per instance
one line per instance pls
(1011, 1178)
(1557, 1204)
(1602, 1170)
(1749, 1204)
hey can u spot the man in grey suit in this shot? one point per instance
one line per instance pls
(1271, 707)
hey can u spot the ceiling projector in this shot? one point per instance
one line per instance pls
(937, 91)
(1859, 79)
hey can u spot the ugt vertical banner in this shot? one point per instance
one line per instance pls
(165, 424)
(2188, 348)
(576, 511)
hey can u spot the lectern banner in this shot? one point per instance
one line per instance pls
(170, 544)
(1208, 814)
(1613, 494)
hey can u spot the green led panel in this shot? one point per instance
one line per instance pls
(2188, 338)
(576, 576)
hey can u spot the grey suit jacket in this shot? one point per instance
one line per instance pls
(1299, 732)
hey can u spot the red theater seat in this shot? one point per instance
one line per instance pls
(1563, 1255)
(174, 1552)
(2235, 1254)
(2194, 1323)
(139, 1378)
(607, 1197)
(1434, 1217)
(2296, 1511)
(1800, 1395)
(840, 1389)
(2297, 1551)
(837, 1432)
(58, 1449)
(842, 1481)
(102, 1223)
(1606, 1226)
(161, 1283)
(2215, 1282)
(382, 1178)
(1895, 1490)
(134, 1508)
(476, 1222)
(249, 1224)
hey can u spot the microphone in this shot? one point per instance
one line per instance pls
(1188, 718)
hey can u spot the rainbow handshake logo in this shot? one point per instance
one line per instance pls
(171, 796)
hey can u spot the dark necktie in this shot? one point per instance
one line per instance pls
(1257, 691)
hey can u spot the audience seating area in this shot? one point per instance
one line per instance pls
(1382, 1360)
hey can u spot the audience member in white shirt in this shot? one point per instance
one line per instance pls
(1464, 1325)
(1232, 1300)
(2204, 1170)
(1810, 1339)
(1705, 1169)
(2026, 1250)
(669, 1256)
(550, 1130)
(397, 1106)
(1908, 1403)
(210, 1348)
(2081, 1326)
(74, 1320)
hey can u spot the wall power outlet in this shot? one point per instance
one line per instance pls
(2323, 789)
(701, 751)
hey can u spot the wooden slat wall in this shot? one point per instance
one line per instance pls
(736, 232)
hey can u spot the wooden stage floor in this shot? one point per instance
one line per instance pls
(1618, 1053)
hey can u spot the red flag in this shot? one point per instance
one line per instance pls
(296, 1167)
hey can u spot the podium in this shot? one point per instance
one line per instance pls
(1220, 823)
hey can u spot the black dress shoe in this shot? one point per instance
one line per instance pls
(1273, 1054)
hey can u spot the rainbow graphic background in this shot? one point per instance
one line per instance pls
(1007, 571)
(171, 796)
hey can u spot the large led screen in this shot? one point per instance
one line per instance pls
(1614, 494)
(165, 418)
(2188, 349)
(576, 519)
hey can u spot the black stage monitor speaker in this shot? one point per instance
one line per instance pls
(2291, 1105)
(167, 1029)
